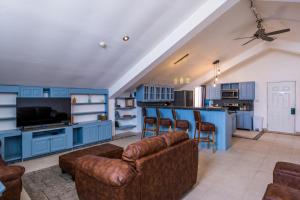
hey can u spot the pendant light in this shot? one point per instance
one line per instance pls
(217, 72)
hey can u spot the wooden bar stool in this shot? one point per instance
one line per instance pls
(164, 122)
(152, 121)
(179, 123)
(208, 128)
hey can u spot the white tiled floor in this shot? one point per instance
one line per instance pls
(241, 173)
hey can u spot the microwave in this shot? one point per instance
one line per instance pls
(230, 94)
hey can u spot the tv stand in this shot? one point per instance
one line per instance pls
(46, 141)
(44, 127)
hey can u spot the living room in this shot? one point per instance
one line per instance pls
(149, 100)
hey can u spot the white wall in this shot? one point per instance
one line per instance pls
(272, 66)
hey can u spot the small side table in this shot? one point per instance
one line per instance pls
(2, 188)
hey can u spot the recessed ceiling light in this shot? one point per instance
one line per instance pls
(103, 45)
(126, 38)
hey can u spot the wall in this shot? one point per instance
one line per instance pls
(272, 66)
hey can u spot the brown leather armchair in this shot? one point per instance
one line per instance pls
(162, 167)
(10, 176)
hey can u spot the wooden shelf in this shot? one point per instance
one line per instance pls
(80, 104)
(125, 108)
(126, 118)
(89, 113)
(125, 127)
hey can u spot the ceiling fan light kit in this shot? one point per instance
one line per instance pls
(261, 31)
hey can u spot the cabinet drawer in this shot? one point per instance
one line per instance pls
(40, 146)
(58, 143)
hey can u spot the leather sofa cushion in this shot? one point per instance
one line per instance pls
(287, 168)
(175, 137)
(112, 172)
(277, 192)
(9, 173)
(143, 148)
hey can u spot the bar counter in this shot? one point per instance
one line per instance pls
(218, 116)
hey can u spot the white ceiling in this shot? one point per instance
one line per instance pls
(216, 41)
(55, 42)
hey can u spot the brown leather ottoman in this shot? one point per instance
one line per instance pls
(287, 174)
(279, 192)
(67, 161)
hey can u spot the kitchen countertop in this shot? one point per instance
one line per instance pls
(191, 108)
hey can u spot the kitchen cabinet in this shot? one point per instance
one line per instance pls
(26, 91)
(244, 120)
(247, 91)
(154, 93)
(59, 92)
(213, 93)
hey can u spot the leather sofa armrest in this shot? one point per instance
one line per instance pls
(111, 172)
(10, 173)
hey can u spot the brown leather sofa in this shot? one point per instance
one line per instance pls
(286, 182)
(162, 167)
(10, 176)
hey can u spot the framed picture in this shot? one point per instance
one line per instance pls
(129, 102)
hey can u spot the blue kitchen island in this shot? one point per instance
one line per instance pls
(218, 116)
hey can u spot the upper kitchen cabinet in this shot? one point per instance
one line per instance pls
(154, 93)
(213, 93)
(26, 91)
(247, 91)
(59, 92)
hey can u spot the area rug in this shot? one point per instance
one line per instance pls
(49, 184)
(253, 135)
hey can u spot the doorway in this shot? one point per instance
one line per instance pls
(281, 106)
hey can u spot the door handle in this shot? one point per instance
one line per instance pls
(293, 111)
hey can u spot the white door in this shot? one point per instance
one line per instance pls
(281, 105)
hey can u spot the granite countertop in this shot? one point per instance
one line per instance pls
(190, 108)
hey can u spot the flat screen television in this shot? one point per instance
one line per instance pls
(43, 111)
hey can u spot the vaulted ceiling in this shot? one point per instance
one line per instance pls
(216, 41)
(55, 42)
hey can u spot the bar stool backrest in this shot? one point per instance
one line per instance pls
(157, 113)
(197, 116)
(174, 114)
(144, 112)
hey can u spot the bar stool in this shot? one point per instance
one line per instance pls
(206, 127)
(164, 122)
(152, 121)
(179, 123)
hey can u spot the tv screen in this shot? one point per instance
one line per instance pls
(43, 111)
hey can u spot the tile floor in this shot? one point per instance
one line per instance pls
(241, 173)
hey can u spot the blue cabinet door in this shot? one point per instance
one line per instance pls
(31, 91)
(248, 120)
(59, 92)
(247, 91)
(90, 134)
(105, 131)
(240, 120)
(58, 143)
(40, 146)
(213, 93)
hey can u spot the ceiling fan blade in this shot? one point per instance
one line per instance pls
(266, 38)
(240, 38)
(249, 41)
(278, 32)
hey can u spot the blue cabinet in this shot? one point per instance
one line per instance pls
(11, 145)
(244, 120)
(247, 91)
(58, 143)
(213, 93)
(90, 134)
(105, 131)
(59, 92)
(40, 146)
(26, 91)
(154, 93)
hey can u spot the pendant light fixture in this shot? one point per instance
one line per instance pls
(217, 72)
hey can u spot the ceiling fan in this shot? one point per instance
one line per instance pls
(261, 31)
